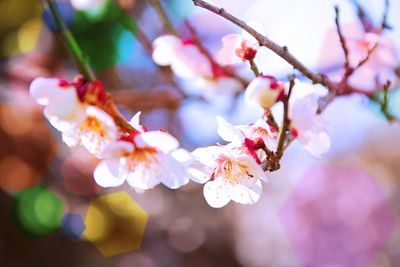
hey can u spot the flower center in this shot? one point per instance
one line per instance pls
(231, 170)
(144, 157)
(92, 124)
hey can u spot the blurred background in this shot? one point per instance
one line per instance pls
(340, 210)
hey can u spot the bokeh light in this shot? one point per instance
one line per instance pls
(333, 224)
(38, 211)
(115, 224)
(20, 26)
(72, 225)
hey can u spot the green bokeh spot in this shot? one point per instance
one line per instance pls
(37, 211)
(99, 33)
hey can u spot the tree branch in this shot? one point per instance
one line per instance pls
(281, 51)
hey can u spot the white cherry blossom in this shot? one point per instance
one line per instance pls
(63, 108)
(234, 170)
(76, 120)
(233, 174)
(308, 126)
(185, 59)
(236, 134)
(237, 48)
(96, 130)
(144, 159)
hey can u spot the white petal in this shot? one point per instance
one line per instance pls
(158, 139)
(228, 132)
(104, 118)
(63, 124)
(208, 155)
(135, 122)
(303, 111)
(173, 173)
(190, 62)
(143, 177)
(317, 143)
(247, 194)
(216, 194)
(95, 138)
(71, 137)
(183, 156)
(254, 169)
(116, 150)
(227, 54)
(107, 173)
(199, 172)
(164, 48)
(65, 109)
(43, 89)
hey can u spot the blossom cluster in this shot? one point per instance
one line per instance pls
(82, 111)
(145, 158)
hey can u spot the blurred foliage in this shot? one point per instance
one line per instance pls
(99, 32)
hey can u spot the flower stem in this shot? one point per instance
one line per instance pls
(70, 43)
(286, 120)
(254, 67)
(169, 26)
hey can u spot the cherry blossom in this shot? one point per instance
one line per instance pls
(257, 132)
(380, 65)
(234, 174)
(185, 59)
(63, 108)
(234, 169)
(385, 54)
(144, 159)
(237, 48)
(264, 91)
(307, 126)
(67, 109)
(95, 131)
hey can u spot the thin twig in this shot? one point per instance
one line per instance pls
(343, 41)
(367, 57)
(143, 40)
(384, 24)
(70, 43)
(286, 120)
(350, 70)
(365, 20)
(384, 102)
(270, 119)
(169, 26)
